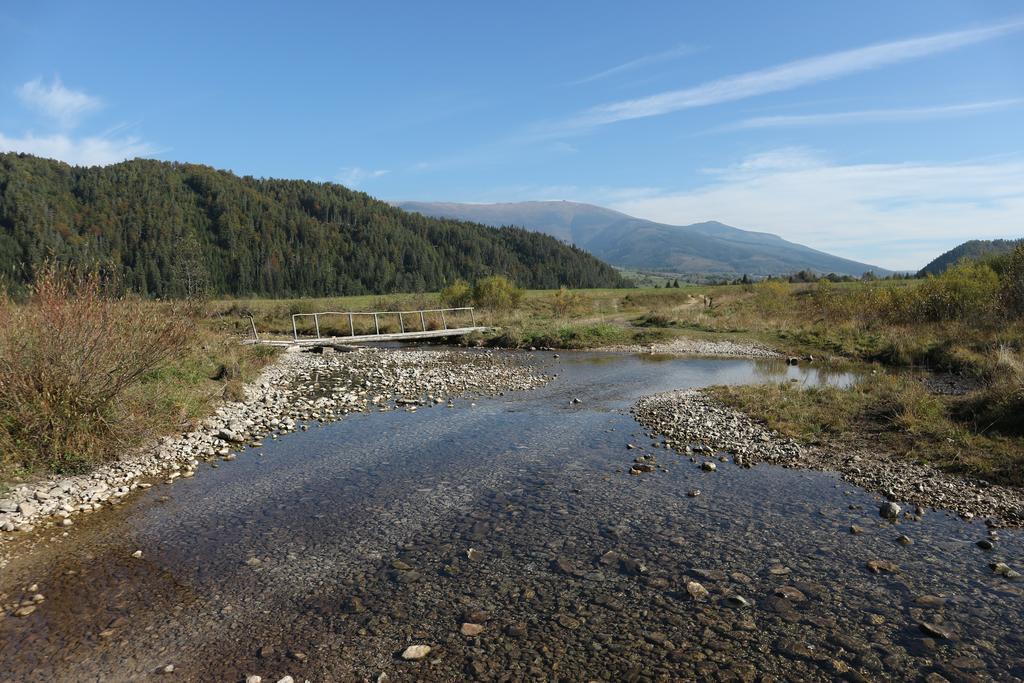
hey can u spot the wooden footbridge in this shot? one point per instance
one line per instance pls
(331, 328)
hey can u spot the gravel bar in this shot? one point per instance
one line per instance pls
(701, 347)
(693, 422)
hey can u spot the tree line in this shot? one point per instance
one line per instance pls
(174, 230)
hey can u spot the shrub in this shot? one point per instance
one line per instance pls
(565, 302)
(1012, 278)
(655, 319)
(496, 293)
(457, 294)
(73, 360)
(968, 291)
(999, 406)
(771, 296)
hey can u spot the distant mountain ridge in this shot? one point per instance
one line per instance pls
(970, 249)
(628, 242)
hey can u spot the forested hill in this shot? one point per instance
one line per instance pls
(172, 229)
(971, 249)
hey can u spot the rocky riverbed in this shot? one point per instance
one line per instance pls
(505, 539)
(298, 390)
(684, 346)
(695, 423)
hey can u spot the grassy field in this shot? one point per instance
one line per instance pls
(585, 318)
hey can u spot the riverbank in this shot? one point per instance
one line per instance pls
(296, 391)
(691, 419)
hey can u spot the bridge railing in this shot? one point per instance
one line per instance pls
(423, 320)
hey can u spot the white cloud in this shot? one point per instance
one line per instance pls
(674, 53)
(896, 215)
(874, 115)
(56, 102)
(354, 176)
(86, 151)
(779, 78)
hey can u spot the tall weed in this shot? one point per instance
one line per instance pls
(73, 362)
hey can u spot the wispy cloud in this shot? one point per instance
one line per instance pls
(646, 60)
(874, 115)
(779, 78)
(57, 102)
(854, 210)
(354, 176)
(87, 151)
(60, 105)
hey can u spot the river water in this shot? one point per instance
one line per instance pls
(328, 552)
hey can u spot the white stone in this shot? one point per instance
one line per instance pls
(414, 652)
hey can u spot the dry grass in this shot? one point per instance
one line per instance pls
(72, 361)
(887, 413)
(86, 373)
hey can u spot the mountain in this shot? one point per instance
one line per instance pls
(972, 249)
(628, 242)
(171, 229)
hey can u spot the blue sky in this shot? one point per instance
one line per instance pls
(886, 132)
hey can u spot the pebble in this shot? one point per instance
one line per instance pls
(471, 629)
(882, 567)
(696, 590)
(790, 593)
(889, 510)
(414, 652)
(935, 631)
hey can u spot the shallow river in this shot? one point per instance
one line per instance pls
(284, 561)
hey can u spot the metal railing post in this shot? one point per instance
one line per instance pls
(376, 324)
(295, 330)
(401, 323)
(472, 314)
(255, 334)
(316, 321)
(443, 321)
(351, 325)
(423, 323)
